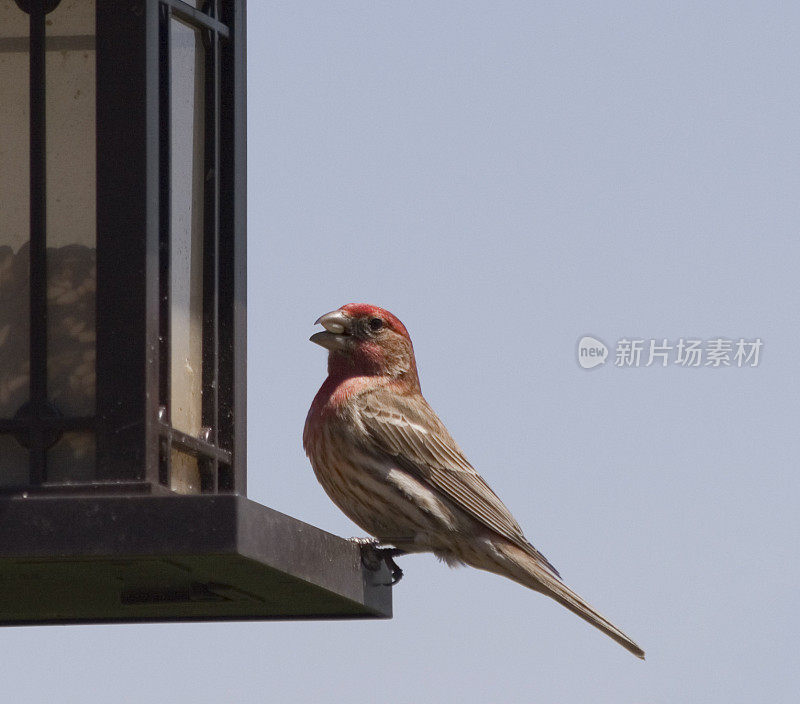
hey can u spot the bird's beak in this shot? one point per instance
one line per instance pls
(336, 334)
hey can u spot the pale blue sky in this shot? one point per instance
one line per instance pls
(507, 177)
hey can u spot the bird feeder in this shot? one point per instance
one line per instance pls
(122, 330)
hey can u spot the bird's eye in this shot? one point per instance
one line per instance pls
(375, 324)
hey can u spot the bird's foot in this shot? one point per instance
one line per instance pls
(373, 554)
(388, 555)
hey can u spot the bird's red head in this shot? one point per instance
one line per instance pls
(366, 340)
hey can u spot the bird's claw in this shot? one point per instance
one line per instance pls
(388, 555)
(372, 554)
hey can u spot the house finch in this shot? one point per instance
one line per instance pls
(386, 460)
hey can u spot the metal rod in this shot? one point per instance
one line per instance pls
(38, 245)
(195, 17)
(211, 260)
(165, 228)
(216, 82)
(59, 424)
(194, 446)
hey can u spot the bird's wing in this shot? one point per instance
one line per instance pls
(410, 431)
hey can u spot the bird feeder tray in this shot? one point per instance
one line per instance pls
(96, 559)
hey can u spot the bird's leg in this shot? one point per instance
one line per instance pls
(375, 553)
(388, 555)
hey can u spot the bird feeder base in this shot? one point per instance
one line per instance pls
(125, 559)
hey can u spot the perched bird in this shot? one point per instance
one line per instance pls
(387, 461)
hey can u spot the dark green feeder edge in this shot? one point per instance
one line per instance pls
(103, 559)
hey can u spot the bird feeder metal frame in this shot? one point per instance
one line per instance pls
(118, 541)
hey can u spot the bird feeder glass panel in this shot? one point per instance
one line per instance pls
(47, 241)
(142, 385)
(71, 230)
(14, 235)
(188, 199)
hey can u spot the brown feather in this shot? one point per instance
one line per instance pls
(408, 429)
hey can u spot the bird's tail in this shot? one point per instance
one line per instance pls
(524, 568)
